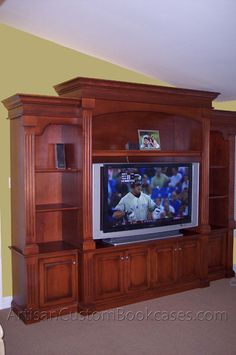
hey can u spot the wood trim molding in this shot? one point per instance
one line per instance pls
(118, 90)
(204, 187)
(29, 186)
(87, 111)
(32, 282)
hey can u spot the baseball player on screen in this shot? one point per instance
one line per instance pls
(135, 205)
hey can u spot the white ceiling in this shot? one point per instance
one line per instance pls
(186, 43)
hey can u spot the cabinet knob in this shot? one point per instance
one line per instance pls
(126, 257)
(180, 248)
(121, 258)
(73, 262)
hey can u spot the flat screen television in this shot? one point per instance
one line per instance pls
(143, 201)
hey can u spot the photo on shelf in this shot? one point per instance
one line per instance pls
(149, 140)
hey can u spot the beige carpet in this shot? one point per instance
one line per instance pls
(197, 322)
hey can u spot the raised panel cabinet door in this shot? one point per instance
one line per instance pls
(58, 280)
(137, 266)
(109, 275)
(216, 252)
(188, 260)
(165, 264)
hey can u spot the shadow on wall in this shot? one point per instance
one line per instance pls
(2, 1)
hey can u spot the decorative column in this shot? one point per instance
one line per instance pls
(29, 166)
(204, 185)
(87, 109)
(29, 191)
(88, 244)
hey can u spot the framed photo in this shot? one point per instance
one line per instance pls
(149, 140)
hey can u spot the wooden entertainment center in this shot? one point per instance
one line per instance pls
(58, 267)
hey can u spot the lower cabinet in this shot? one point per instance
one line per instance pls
(117, 273)
(108, 275)
(111, 276)
(165, 262)
(188, 254)
(52, 284)
(57, 280)
(216, 255)
(138, 270)
(176, 262)
(161, 265)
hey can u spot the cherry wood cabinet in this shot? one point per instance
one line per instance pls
(57, 265)
(138, 269)
(121, 272)
(165, 263)
(58, 280)
(188, 260)
(109, 275)
(217, 255)
(45, 284)
(176, 262)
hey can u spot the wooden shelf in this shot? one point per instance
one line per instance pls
(55, 207)
(218, 167)
(214, 197)
(216, 228)
(54, 170)
(51, 247)
(144, 153)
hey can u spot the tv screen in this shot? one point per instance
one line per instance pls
(144, 198)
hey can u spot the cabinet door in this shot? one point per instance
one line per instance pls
(137, 267)
(109, 275)
(188, 260)
(216, 253)
(165, 264)
(57, 280)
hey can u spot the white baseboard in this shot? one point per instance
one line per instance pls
(5, 302)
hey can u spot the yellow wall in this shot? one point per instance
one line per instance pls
(226, 105)
(33, 65)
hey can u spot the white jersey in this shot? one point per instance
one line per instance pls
(136, 208)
